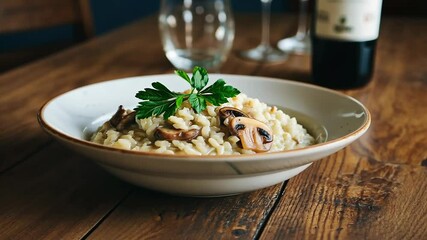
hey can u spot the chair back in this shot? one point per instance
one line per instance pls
(18, 16)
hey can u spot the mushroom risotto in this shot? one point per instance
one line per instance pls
(242, 126)
(205, 120)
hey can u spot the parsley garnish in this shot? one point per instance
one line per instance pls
(161, 100)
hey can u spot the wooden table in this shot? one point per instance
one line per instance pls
(373, 189)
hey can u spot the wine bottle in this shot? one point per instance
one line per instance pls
(344, 40)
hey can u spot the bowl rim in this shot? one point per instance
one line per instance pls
(318, 147)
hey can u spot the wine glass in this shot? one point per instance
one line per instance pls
(264, 52)
(300, 43)
(196, 33)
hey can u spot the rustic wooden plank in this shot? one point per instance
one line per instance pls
(149, 215)
(361, 192)
(349, 197)
(56, 195)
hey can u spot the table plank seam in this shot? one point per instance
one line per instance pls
(268, 215)
(103, 218)
(26, 157)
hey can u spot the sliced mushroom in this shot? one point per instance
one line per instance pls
(169, 134)
(253, 134)
(122, 119)
(226, 113)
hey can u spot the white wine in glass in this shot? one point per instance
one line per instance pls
(264, 52)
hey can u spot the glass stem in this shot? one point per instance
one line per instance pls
(302, 19)
(265, 35)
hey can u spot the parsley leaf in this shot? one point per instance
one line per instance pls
(160, 100)
(148, 108)
(184, 75)
(159, 93)
(198, 103)
(200, 78)
(218, 92)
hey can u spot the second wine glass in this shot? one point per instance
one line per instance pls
(264, 52)
(300, 43)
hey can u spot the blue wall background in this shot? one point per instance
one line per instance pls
(111, 14)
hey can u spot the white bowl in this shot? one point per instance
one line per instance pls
(335, 119)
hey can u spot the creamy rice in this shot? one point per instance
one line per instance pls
(287, 133)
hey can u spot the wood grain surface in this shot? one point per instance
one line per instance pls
(373, 189)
